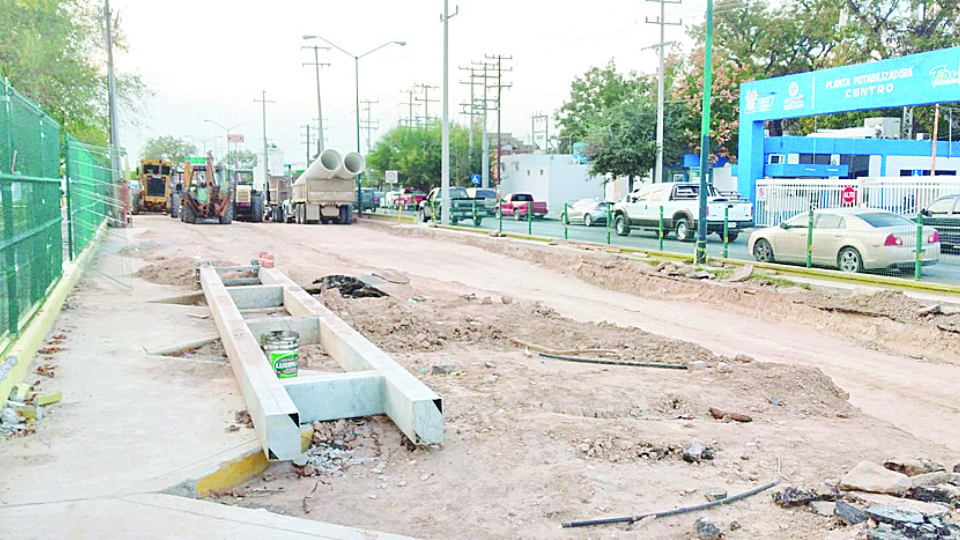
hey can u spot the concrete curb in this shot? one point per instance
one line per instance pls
(23, 349)
(222, 473)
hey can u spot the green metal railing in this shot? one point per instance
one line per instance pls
(31, 214)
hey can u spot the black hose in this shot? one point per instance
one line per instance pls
(612, 362)
(631, 519)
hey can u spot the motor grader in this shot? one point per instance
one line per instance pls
(205, 196)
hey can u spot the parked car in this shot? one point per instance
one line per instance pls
(944, 215)
(461, 207)
(368, 200)
(851, 239)
(488, 196)
(521, 206)
(680, 204)
(588, 211)
(410, 198)
(389, 199)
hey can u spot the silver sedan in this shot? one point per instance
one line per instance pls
(588, 212)
(851, 239)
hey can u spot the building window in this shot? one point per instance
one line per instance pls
(541, 172)
(528, 172)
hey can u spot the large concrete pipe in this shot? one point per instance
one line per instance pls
(353, 164)
(326, 164)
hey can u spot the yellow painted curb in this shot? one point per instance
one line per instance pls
(25, 347)
(237, 471)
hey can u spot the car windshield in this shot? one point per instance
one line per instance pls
(486, 194)
(885, 219)
(458, 193)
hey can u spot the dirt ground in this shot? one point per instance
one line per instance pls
(530, 442)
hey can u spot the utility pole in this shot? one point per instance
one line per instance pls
(112, 98)
(266, 157)
(662, 46)
(368, 125)
(445, 127)
(308, 143)
(410, 103)
(539, 116)
(425, 100)
(316, 63)
(484, 73)
(499, 86)
(701, 250)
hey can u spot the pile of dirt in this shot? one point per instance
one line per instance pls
(170, 270)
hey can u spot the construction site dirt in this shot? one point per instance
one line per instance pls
(828, 379)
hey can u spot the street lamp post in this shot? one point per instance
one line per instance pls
(236, 159)
(356, 85)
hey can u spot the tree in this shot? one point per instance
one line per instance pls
(168, 147)
(245, 159)
(416, 154)
(52, 51)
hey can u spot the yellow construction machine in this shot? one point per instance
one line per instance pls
(205, 196)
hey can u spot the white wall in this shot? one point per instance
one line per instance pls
(895, 163)
(554, 178)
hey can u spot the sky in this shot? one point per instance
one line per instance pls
(210, 60)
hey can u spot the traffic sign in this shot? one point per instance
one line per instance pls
(475, 179)
(390, 177)
(235, 138)
(848, 195)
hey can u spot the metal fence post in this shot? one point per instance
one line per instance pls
(68, 173)
(609, 219)
(810, 239)
(433, 209)
(726, 222)
(660, 228)
(566, 221)
(918, 263)
(500, 215)
(474, 212)
(530, 218)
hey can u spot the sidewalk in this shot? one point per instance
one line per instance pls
(130, 426)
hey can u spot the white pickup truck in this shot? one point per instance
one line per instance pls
(680, 201)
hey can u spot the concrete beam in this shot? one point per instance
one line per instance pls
(256, 296)
(274, 415)
(307, 327)
(337, 395)
(415, 409)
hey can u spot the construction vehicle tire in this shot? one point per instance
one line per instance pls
(135, 203)
(174, 206)
(346, 214)
(186, 213)
(256, 208)
(227, 217)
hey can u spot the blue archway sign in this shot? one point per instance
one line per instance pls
(916, 79)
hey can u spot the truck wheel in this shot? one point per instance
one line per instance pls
(346, 214)
(174, 206)
(684, 233)
(423, 215)
(135, 204)
(731, 236)
(186, 213)
(516, 215)
(477, 221)
(454, 220)
(620, 225)
(256, 209)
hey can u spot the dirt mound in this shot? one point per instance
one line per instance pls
(169, 271)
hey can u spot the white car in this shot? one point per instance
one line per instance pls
(851, 239)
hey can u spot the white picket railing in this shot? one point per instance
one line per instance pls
(782, 198)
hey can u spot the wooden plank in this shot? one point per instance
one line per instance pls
(337, 395)
(274, 415)
(256, 296)
(414, 408)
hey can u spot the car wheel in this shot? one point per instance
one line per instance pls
(621, 226)
(516, 215)
(423, 216)
(587, 220)
(477, 221)
(763, 251)
(732, 236)
(683, 230)
(850, 261)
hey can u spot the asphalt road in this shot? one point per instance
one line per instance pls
(946, 271)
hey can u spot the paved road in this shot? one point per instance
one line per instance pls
(947, 271)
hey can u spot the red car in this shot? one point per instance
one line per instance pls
(410, 198)
(521, 206)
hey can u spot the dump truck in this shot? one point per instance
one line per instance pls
(326, 191)
(153, 186)
(248, 201)
(205, 195)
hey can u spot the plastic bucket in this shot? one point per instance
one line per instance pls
(282, 348)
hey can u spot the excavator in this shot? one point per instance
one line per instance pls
(205, 196)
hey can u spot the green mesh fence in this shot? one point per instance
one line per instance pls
(34, 236)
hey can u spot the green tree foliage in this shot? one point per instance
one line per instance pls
(415, 153)
(878, 29)
(53, 52)
(168, 147)
(247, 159)
(615, 114)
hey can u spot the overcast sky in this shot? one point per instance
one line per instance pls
(209, 59)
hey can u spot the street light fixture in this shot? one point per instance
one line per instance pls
(356, 85)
